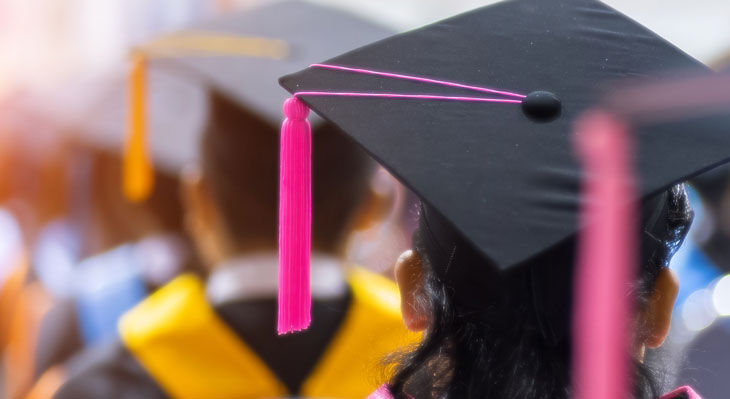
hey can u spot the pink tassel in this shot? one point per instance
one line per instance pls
(295, 218)
(606, 261)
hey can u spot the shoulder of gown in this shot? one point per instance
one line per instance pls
(107, 371)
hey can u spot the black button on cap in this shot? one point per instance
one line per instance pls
(541, 106)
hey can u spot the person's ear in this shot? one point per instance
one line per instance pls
(657, 316)
(381, 200)
(200, 214)
(409, 276)
(196, 200)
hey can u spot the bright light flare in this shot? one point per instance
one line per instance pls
(721, 296)
(697, 311)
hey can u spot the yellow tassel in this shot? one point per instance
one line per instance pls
(137, 169)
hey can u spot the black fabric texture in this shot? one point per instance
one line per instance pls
(291, 357)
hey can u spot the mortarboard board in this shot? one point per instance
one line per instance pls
(503, 173)
(239, 56)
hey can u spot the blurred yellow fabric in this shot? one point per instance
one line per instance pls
(191, 353)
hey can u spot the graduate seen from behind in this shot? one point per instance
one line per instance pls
(187, 335)
(476, 115)
(493, 342)
(219, 339)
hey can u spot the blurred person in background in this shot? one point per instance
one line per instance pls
(218, 339)
(102, 261)
(703, 325)
(698, 346)
(32, 191)
(94, 254)
(44, 43)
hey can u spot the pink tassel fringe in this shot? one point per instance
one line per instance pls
(295, 218)
(606, 259)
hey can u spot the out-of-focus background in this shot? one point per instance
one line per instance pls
(44, 42)
(63, 220)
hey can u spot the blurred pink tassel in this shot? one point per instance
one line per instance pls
(606, 261)
(295, 218)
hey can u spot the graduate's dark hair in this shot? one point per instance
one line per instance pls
(240, 163)
(492, 342)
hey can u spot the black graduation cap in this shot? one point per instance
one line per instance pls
(243, 54)
(504, 174)
(240, 56)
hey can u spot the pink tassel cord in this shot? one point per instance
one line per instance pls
(295, 218)
(418, 79)
(295, 193)
(516, 97)
(606, 261)
(408, 96)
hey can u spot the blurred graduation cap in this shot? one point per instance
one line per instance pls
(712, 185)
(101, 120)
(475, 114)
(238, 55)
(698, 107)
